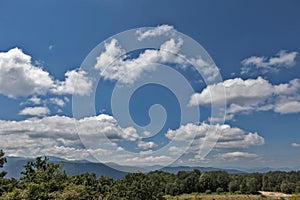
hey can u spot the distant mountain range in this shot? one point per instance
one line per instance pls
(14, 166)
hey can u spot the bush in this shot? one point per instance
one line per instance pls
(207, 191)
(219, 190)
(297, 190)
(238, 192)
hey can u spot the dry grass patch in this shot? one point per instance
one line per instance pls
(227, 196)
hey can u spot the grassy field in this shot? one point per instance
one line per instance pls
(226, 197)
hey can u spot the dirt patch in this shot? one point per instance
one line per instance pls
(275, 194)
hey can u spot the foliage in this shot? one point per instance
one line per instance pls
(2, 162)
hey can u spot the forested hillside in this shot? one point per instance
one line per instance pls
(41, 179)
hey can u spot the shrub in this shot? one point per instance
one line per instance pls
(207, 191)
(238, 192)
(219, 190)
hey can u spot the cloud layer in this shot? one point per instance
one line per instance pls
(57, 136)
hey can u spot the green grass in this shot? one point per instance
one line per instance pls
(295, 197)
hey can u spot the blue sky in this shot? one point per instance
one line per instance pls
(254, 44)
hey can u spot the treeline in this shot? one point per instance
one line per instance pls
(42, 179)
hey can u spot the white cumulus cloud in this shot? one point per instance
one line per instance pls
(76, 82)
(19, 77)
(146, 145)
(238, 91)
(228, 137)
(112, 65)
(35, 111)
(288, 107)
(159, 30)
(246, 96)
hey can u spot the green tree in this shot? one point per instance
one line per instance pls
(188, 181)
(252, 185)
(219, 179)
(205, 182)
(42, 179)
(2, 162)
(287, 187)
(90, 182)
(233, 186)
(136, 186)
(272, 181)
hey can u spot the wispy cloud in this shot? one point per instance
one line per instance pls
(283, 59)
(295, 145)
(236, 155)
(50, 47)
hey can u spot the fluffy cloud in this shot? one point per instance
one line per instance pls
(160, 30)
(112, 64)
(283, 59)
(35, 100)
(76, 82)
(175, 150)
(35, 111)
(288, 107)
(245, 96)
(228, 137)
(238, 91)
(19, 77)
(105, 125)
(57, 101)
(290, 88)
(146, 145)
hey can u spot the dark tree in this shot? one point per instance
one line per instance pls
(2, 162)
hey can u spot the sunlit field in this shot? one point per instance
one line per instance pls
(197, 196)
